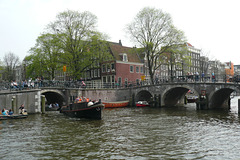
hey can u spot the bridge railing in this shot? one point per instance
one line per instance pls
(98, 85)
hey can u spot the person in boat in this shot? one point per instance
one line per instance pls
(21, 109)
(4, 112)
(56, 104)
(10, 112)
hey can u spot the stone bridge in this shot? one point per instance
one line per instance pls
(172, 94)
(165, 94)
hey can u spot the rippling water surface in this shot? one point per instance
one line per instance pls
(125, 133)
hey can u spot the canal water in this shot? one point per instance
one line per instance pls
(125, 133)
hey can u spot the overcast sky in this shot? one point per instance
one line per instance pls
(210, 25)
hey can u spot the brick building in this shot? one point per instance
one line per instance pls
(125, 68)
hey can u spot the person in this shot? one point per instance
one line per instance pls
(21, 108)
(213, 77)
(56, 104)
(4, 112)
(202, 76)
(10, 112)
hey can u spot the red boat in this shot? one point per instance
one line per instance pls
(142, 104)
(117, 104)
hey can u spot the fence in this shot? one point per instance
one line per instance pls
(98, 85)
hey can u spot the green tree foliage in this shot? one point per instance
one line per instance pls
(79, 41)
(70, 40)
(154, 32)
(44, 58)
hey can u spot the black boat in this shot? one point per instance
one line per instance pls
(87, 110)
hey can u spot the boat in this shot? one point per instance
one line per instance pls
(142, 104)
(192, 99)
(116, 104)
(88, 110)
(14, 116)
(52, 108)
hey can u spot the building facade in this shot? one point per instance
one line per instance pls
(125, 69)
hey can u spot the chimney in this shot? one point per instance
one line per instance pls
(120, 42)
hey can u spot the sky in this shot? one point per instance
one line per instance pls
(210, 25)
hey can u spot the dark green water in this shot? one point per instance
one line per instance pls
(125, 133)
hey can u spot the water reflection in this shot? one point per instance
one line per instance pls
(125, 133)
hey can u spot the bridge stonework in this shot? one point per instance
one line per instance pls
(172, 94)
(30, 98)
(166, 94)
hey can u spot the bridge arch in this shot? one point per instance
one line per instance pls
(220, 98)
(143, 95)
(173, 96)
(54, 96)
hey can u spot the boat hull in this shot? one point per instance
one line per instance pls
(82, 110)
(142, 104)
(20, 116)
(116, 104)
(51, 109)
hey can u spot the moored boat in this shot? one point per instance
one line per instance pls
(14, 116)
(87, 110)
(52, 109)
(192, 99)
(116, 104)
(142, 104)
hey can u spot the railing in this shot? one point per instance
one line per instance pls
(98, 85)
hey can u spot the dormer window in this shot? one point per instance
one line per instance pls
(125, 59)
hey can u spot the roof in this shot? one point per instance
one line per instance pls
(188, 44)
(118, 50)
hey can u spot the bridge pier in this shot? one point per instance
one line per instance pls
(238, 106)
(202, 103)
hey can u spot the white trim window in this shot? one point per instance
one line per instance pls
(137, 69)
(131, 69)
(125, 58)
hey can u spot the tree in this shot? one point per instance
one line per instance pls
(76, 34)
(10, 62)
(154, 32)
(44, 58)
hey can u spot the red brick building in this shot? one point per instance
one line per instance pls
(125, 68)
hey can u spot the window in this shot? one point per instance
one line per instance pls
(108, 67)
(119, 81)
(125, 59)
(113, 79)
(141, 69)
(96, 73)
(104, 79)
(137, 69)
(92, 73)
(103, 68)
(112, 67)
(131, 69)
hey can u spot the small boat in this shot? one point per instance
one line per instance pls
(142, 104)
(52, 109)
(14, 116)
(192, 99)
(87, 110)
(116, 104)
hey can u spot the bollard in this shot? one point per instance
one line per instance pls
(43, 104)
(239, 106)
(14, 108)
